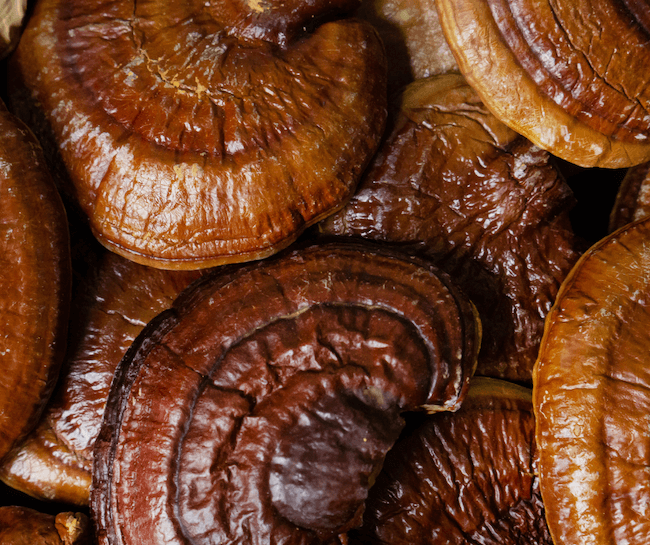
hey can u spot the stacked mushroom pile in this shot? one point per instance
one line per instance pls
(311, 274)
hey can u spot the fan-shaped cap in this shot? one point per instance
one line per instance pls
(199, 133)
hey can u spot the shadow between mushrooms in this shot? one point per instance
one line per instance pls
(200, 133)
(260, 407)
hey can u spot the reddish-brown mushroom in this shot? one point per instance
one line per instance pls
(260, 407)
(570, 75)
(632, 201)
(199, 133)
(488, 206)
(34, 281)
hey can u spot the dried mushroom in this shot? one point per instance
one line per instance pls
(35, 281)
(24, 526)
(632, 198)
(570, 75)
(115, 301)
(463, 477)
(199, 133)
(488, 206)
(12, 14)
(260, 407)
(592, 399)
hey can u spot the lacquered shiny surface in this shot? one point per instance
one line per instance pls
(259, 409)
(591, 396)
(199, 133)
(486, 205)
(569, 75)
(34, 281)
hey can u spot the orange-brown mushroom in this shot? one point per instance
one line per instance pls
(25, 526)
(35, 281)
(592, 396)
(570, 75)
(199, 133)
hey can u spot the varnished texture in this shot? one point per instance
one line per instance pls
(34, 281)
(592, 399)
(454, 182)
(570, 75)
(115, 301)
(415, 44)
(259, 409)
(462, 478)
(199, 133)
(23, 526)
(633, 197)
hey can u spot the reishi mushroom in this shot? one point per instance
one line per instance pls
(259, 408)
(569, 75)
(35, 281)
(592, 398)
(201, 133)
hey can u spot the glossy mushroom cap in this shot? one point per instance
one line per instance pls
(200, 133)
(24, 526)
(35, 280)
(569, 75)
(592, 396)
(453, 182)
(260, 407)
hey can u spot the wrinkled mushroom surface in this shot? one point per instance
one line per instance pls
(488, 206)
(12, 14)
(570, 75)
(260, 407)
(24, 526)
(463, 477)
(591, 396)
(199, 133)
(632, 201)
(114, 302)
(34, 281)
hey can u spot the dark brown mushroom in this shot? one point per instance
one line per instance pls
(24, 526)
(260, 407)
(484, 203)
(462, 478)
(35, 281)
(199, 133)
(570, 75)
(114, 302)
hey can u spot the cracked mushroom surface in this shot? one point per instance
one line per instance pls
(260, 407)
(486, 205)
(570, 75)
(115, 300)
(35, 280)
(592, 399)
(200, 133)
(463, 477)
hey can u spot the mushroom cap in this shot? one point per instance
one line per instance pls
(632, 200)
(260, 406)
(569, 75)
(201, 133)
(591, 396)
(35, 281)
(453, 182)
